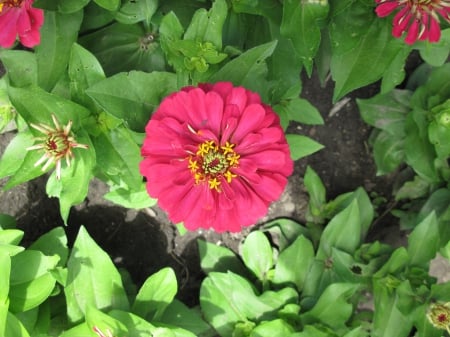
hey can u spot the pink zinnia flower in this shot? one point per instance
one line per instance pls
(419, 18)
(215, 157)
(19, 18)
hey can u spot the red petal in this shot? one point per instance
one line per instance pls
(386, 8)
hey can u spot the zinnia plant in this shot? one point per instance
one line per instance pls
(19, 19)
(215, 157)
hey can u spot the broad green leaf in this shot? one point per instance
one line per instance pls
(15, 153)
(423, 242)
(219, 259)
(84, 71)
(14, 327)
(180, 315)
(285, 231)
(226, 299)
(29, 265)
(387, 111)
(310, 331)
(130, 199)
(419, 152)
(387, 318)
(300, 110)
(388, 152)
(301, 23)
(7, 221)
(110, 5)
(73, 186)
(157, 292)
(30, 294)
(120, 48)
(104, 322)
(248, 69)
(63, 6)
(20, 66)
(53, 243)
(118, 158)
(398, 260)
(275, 328)
(293, 263)
(92, 279)
(414, 189)
(58, 34)
(135, 11)
(316, 191)
(133, 96)
(36, 106)
(435, 54)
(206, 26)
(80, 330)
(257, 254)
(367, 60)
(332, 307)
(395, 73)
(302, 146)
(342, 232)
(439, 135)
(5, 266)
(11, 236)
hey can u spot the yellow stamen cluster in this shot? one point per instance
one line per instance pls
(9, 3)
(212, 162)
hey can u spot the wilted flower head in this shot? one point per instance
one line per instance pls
(19, 18)
(439, 315)
(215, 157)
(419, 18)
(56, 144)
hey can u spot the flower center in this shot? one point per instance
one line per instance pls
(9, 4)
(212, 163)
(57, 144)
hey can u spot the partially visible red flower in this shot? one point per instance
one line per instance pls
(19, 18)
(215, 157)
(418, 18)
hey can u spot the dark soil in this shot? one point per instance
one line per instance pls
(145, 241)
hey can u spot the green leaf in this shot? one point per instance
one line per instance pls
(92, 279)
(58, 34)
(15, 153)
(219, 259)
(137, 199)
(20, 65)
(301, 24)
(28, 295)
(206, 26)
(387, 111)
(127, 95)
(302, 146)
(300, 110)
(435, 54)
(53, 243)
(84, 71)
(423, 242)
(332, 307)
(136, 11)
(157, 292)
(226, 299)
(5, 264)
(7, 221)
(178, 314)
(317, 193)
(388, 152)
(342, 232)
(257, 254)
(248, 69)
(104, 322)
(110, 5)
(414, 189)
(365, 60)
(29, 265)
(419, 152)
(293, 263)
(285, 231)
(439, 136)
(275, 328)
(11, 236)
(14, 327)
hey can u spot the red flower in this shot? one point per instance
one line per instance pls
(17, 17)
(215, 157)
(419, 18)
